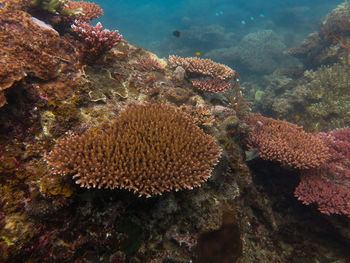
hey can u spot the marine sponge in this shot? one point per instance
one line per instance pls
(149, 149)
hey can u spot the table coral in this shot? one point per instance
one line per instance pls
(149, 149)
(285, 142)
(202, 66)
(328, 186)
(213, 85)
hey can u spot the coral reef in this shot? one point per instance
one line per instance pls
(328, 186)
(149, 64)
(205, 67)
(95, 40)
(257, 53)
(285, 142)
(28, 47)
(154, 149)
(57, 7)
(88, 10)
(318, 100)
(213, 86)
(253, 213)
(330, 44)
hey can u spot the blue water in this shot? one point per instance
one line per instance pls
(208, 25)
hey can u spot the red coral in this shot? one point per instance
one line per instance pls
(329, 186)
(95, 40)
(285, 142)
(213, 85)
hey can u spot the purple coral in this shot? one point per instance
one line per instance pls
(96, 40)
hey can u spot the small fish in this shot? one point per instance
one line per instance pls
(252, 18)
(197, 53)
(262, 15)
(243, 22)
(219, 13)
(297, 117)
(177, 33)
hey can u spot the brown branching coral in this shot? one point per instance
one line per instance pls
(205, 67)
(29, 47)
(149, 149)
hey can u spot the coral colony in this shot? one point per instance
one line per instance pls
(96, 40)
(176, 155)
(111, 154)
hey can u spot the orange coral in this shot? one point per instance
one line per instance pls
(149, 149)
(29, 47)
(205, 67)
(285, 142)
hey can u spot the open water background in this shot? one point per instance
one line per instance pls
(208, 26)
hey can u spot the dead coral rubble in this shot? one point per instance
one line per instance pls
(149, 149)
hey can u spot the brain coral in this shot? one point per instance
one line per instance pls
(149, 149)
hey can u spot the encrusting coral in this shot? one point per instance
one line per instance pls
(30, 47)
(148, 149)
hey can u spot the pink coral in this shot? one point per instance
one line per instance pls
(285, 142)
(329, 185)
(96, 40)
(213, 85)
(149, 64)
(204, 67)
